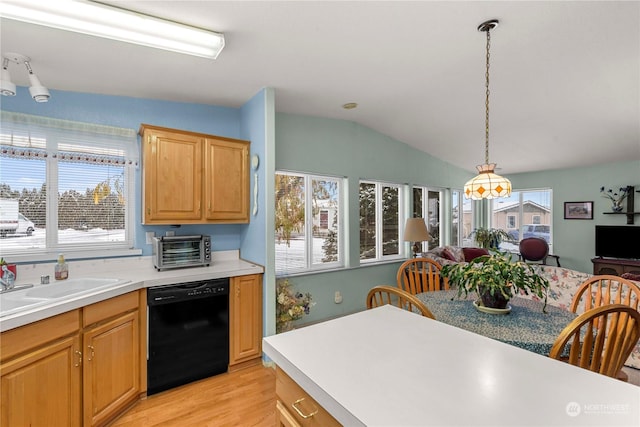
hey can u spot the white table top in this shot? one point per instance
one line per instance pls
(390, 367)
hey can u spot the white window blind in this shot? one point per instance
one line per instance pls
(73, 180)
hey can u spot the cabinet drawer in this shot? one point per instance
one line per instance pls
(103, 310)
(26, 337)
(292, 396)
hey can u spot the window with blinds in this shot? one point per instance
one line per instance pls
(72, 180)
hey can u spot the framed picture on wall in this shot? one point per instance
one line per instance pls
(578, 210)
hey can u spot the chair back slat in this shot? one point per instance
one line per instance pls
(600, 339)
(419, 275)
(605, 289)
(385, 294)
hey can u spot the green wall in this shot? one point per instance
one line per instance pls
(574, 240)
(343, 148)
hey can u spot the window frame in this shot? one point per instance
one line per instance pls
(379, 224)
(52, 140)
(521, 222)
(309, 265)
(445, 221)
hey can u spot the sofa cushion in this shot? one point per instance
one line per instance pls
(446, 254)
(472, 253)
(456, 252)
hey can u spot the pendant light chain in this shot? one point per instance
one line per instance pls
(486, 103)
(487, 184)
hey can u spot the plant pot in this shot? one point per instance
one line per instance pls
(496, 300)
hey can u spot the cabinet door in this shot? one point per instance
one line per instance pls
(172, 182)
(245, 312)
(42, 388)
(111, 369)
(227, 180)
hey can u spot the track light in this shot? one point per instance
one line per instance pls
(38, 92)
(7, 88)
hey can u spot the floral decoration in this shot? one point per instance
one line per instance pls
(616, 198)
(290, 305)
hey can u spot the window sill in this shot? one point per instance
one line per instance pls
(71, 254)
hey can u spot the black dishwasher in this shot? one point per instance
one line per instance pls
(188, 333)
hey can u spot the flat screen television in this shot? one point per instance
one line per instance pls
(618, 241)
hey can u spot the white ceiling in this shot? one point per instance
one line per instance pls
(565, 76)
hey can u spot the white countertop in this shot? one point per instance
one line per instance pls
(390, 367)
(138, 272)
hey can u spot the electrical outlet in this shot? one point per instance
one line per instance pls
(150, 235)
(337, 297)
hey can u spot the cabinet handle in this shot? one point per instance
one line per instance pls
(92, 353)
(79, 362)
(293, 405)
(237, 291)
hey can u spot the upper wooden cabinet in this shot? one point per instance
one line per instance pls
(192, 178)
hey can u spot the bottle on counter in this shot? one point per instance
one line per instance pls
(62, 269)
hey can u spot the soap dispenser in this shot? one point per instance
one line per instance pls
(62, 269)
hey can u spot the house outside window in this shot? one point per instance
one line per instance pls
(532, 210)
(73, 181)
(308, 223)
(380, 221)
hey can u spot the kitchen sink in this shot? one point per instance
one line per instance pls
(71, 287)
(22, 299)
(12, 303)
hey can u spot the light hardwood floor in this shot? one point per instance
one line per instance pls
(243, 398)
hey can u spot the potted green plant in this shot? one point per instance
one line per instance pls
(496, 278)
(490, 237)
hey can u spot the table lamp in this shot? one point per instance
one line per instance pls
(415, 231)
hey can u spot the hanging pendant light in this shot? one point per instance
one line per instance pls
(487, 184)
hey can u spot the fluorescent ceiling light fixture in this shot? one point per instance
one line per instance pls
(117, 24)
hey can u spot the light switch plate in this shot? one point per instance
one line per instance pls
(150, 235)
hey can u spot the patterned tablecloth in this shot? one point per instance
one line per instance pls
(526, 326)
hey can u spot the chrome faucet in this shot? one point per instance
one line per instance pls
(8, 278)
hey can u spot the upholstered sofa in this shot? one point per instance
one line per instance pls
(563, 283)
(454, 254)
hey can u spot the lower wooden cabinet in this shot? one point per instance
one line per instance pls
(78, 368)
(616, 267)
(283, 417)
(294, 407)
(42, 387)
(111, 358)
(245, 319)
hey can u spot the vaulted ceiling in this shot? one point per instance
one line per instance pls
(565, 76)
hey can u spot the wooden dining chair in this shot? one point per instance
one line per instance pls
(600, 339)
(385, 294)
(605, 289)
(418, 275)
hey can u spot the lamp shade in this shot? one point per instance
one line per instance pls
(487, 185)
(415, 230)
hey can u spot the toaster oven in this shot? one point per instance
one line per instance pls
(181, 251)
